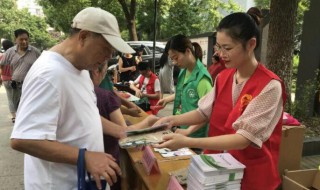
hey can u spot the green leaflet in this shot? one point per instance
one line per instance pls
(210, 161)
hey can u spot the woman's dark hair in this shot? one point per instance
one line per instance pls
(256, 14)
(165, 56)
(20, 31)
(181, 43)
(6, 44)
(216, 57)
(241, 27)
(143, 66)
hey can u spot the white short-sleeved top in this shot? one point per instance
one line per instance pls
(145, 82)
(57, 103)
(261, 115)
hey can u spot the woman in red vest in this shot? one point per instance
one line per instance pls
(244, 108)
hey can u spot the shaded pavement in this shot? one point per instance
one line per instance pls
(11, 162)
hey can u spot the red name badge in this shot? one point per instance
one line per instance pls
(174, 184)
(149, 161)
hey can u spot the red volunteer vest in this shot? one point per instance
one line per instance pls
(261, 171)
(149, 87)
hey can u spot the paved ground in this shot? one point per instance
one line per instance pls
(11, 162)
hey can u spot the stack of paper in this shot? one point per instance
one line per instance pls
(143, 137)
(215, 171)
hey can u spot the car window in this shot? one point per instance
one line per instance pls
(158, 49)
(137, 46)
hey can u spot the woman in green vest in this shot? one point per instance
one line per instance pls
(194, 81)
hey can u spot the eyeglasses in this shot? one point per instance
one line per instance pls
(225, 50)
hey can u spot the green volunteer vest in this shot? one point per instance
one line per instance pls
(106, 83)
(186, 98)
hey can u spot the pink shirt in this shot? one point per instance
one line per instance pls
(5, 71)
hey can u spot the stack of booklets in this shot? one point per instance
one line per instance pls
(214, 172)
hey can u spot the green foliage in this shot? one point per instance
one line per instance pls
(192, 17)
(11, 19)
(263, 4)
(174, 16)
(301, 108)
(59, 13)
(294, 73)
(302, 7)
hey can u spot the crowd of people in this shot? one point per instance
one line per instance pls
(63, 100)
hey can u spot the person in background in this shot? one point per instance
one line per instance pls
(147, 84)
(127, 67)
(216, 67)
(166, 73)
(128, 108)
(58, 114)
(20, 58)
(244, 108)
(139, 53)
(114, 125)
(5, 73)
(193, 83)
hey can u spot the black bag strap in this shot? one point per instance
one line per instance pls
(81, 169)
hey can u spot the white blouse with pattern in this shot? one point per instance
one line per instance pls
(260, 116)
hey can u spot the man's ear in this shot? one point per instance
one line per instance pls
(96, 72)
(83, 36)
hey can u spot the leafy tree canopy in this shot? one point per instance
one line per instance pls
(174, 16)
(11, 19)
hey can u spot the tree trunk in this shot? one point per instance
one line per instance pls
(130, 17)
(283, 15)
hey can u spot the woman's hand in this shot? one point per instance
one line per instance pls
(133, 68)
(151, 120)
(163, 120)
(162, 102)
(134, 112)
(185, 132)
(138, 93)
(173, 141)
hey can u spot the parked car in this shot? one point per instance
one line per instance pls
(147, 53)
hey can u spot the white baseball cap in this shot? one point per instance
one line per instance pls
(102, 22)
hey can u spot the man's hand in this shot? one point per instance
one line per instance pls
(102, 164)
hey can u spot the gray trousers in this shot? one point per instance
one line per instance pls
(13, 96)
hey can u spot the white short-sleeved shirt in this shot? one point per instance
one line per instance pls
(57, 103)
(145, 82)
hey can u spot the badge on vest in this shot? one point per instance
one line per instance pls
(191, 93)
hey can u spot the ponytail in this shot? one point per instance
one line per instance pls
(197, 51)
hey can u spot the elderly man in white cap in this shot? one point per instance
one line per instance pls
(58, 115)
